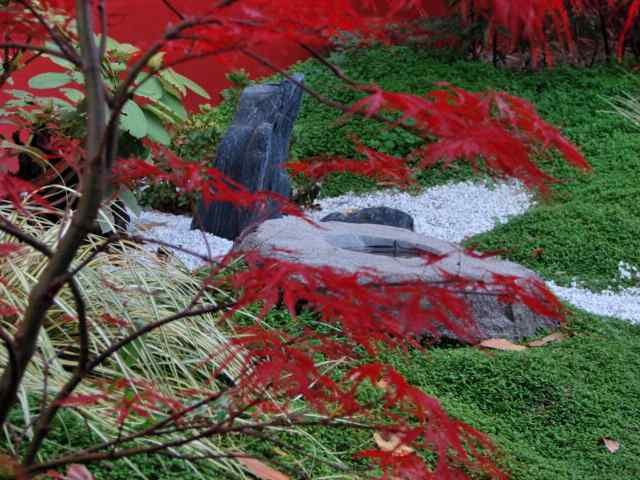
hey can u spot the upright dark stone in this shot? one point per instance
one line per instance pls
(253, 152)
(390, 217)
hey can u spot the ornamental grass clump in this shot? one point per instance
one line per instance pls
(124, 289)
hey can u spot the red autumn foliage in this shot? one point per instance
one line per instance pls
(504, 131)
(545, 25)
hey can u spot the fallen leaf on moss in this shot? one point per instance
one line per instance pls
(259, 469)
(501, 344)
(610, 445)
(383, 384)
(554, 337)
(393, 444)
(8, 466)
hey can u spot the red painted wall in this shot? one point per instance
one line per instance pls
(140, 22)
(139, 28)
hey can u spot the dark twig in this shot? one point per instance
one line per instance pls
(332, 103)
(11, 350)
(104, 29)
(173, 9)
(35, 48)
(67, 49)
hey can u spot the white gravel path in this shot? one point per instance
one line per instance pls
(624, 305)
(176, 230)
(450, 212)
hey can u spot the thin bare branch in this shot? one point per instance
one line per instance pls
(11, 351)
(332, 103)
(214, 430)
(35, 48)
(15, 231)
(336, 71)
(65, 46)
(173, 9)
(104, 29)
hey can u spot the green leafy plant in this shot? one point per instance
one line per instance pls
(195, 140)
(156, 107)
(152, 114)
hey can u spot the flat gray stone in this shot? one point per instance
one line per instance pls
(390, 252)
(391, 217)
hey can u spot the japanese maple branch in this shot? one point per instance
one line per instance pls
(213, 431)
(63, 44)
(173, 9)
(104, 29)
(11, 352)
(79, 375)
(47, 287)
(36, 48)
(42, 425)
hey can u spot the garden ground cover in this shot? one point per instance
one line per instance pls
(546, 408)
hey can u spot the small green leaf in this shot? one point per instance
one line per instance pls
(162, 112)
(156, 130)
(77, 77)
(20, 94)
(66, 64)
(73, 94)
(49, 80)
(52, 102)
(133, 119)
(193, 86)
(130, 201)
(52, 46)
(172, 84)
(118, 66)
(151, 88)
(126, 49)
(174, 105)
(17, 103)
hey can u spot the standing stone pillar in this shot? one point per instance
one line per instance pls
(253, 153)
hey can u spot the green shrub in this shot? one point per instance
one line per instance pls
(195, 141)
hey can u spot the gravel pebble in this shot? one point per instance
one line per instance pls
(624, 304)
(449, 212)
